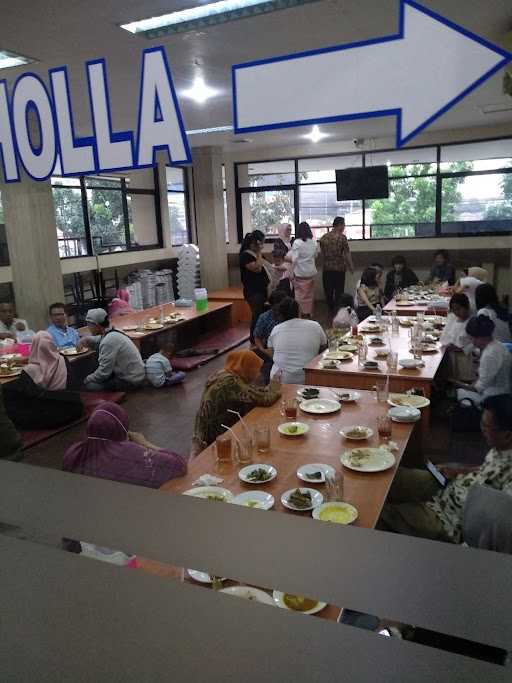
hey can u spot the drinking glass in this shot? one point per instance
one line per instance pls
(334, 486)
(262, 438)
(223, 449)
(392, 361)
(244, 450)
(381, 391)
(289, 408)
(362, 353)
(333, 344)
(416, 349)
(384, 426)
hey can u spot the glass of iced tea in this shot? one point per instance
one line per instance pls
(244, 450)
(223, 449)
(289, 408)
(384, 427)
(262, 438)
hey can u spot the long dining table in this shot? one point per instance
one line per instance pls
(413, 307)
(323, 443)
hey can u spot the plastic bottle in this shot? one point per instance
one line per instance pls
(395, 324)
(201, 297)
(378, 313)
(354, 322)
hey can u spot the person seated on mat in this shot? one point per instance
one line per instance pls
(264, 326)
(62, 334)
(159, 370)
(111, 451)
(230, 389)
(38, 399)
(399, 277)
(9, 325)
(470, 280)
(442, 270)
(486, 302)
(495, 366)
(294, 343)
(9, 437)
(120, 365)
(369, 293)
(417, 504)
(346, 315)
(455, 341)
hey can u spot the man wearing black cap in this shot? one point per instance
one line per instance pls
(120, 365)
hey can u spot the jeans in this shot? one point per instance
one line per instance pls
(334, 287)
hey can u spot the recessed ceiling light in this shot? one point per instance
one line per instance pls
(203, 131)
(199, 92)
(495, 108)
(8, 59)
(207, 15)
(316, 135)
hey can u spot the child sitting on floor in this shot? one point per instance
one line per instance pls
(346, 317)
(159, 370)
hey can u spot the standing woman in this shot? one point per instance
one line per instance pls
(302, 256)
(283, 243)
(254, 275)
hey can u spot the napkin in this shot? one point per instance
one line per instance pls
(207, 480)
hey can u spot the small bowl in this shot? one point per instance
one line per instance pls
(409, 363)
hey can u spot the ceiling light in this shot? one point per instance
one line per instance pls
(204, 131)
(207, 15)
(495, 108)
(8, 59)
(316, 134)
(199, 92)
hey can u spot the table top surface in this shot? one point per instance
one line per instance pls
(412, 307)
(399, 343)
(226, 293)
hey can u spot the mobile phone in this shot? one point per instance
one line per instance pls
(440, 478)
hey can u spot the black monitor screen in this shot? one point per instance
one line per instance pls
(370, 182)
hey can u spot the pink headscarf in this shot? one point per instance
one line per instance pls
(107, 453)
(46, 366)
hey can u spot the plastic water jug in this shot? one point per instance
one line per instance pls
(201, 297)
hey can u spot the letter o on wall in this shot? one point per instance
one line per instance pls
(29, 95)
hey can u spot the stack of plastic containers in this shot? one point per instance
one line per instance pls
(189, 272)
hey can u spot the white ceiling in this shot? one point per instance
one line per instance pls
(69, 32)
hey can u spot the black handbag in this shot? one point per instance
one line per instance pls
(466, 416)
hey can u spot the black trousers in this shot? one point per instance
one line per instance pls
(334, 287)
(256, 301)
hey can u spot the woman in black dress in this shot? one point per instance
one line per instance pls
(253, 274)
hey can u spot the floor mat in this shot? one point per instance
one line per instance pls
(222, 341)
(91, 399)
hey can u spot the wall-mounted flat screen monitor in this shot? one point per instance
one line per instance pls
(370, 182)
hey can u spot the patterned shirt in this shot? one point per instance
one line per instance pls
(334, 246)
(448, 504)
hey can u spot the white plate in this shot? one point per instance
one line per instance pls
(316, 498)
(330, 364)
(72, 351)
(350, 510)
(315, 467)
(346, 395)
(347, 347)
(320, 406)
(201, 577)
(302, 429)
(300, 393)
(279, 601)
(243, 474)
(401, 400)
(377, 460)
(367, 435)
(207, 491)
(338, 355)
(403, 414)
(249, 593)
(260, 500)
(409, 363)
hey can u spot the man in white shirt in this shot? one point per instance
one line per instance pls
(9, 325)
(294, 343)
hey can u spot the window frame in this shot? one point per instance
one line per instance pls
(186, 196)
(437, 173)
(124, 190)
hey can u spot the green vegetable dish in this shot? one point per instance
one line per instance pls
(300, 500)
(259, 474)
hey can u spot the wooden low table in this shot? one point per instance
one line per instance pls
(323, 444)
(240, 311)
(412, 308)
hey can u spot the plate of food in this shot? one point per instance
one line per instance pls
(308, 393)
(357, 432)
(382, 353)
(402, 302)
(376, 341)
(347, 346)
(404, 414)
(405, 322)
(338, 355)
(257, 474)
(260, 500)
(336, 512)
(297, 603)
(72, 351)
(293, 429)
(371, 328)
(301, 499)
(202, 577)
(327, 364)
(249, 593)
(370, 365)
(408, 400)
(368, 459)
(9, 370)
(210, 493)
(320, 406)
(346, 395)
(410, 363)
(315, 473)
(153, 326)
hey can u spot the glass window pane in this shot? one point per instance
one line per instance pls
(175, 179)
(69, 217)
(142, 220)
(102, 181)
(479, 203)
(106, 219)
(409, 211)
(265, 174)
(66, 182)
(323, 169)
(479, 156)
(177, 218)
(407, 162)
(318, 206)
(265, 210)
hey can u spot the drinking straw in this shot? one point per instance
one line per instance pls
(234, 412)
(233, 434)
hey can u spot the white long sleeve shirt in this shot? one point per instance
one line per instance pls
(501, 327)
(495, 370)
(455, 333)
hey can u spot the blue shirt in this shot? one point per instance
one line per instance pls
(158, 369)
(64, 338)
(264, 326)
